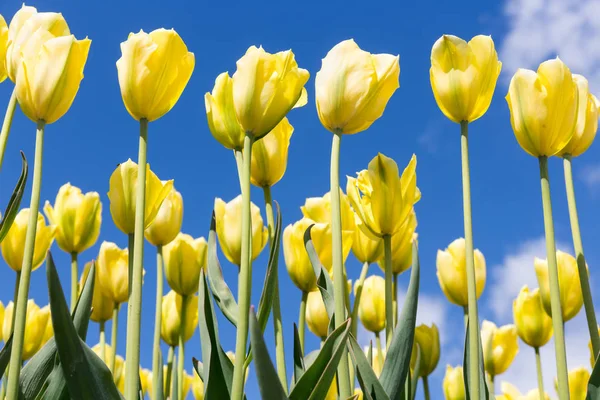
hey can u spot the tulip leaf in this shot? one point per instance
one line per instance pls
(198, 368)
(174, 384)
(414, 380)
(5, 355)
(316, 380)
(370, 385)
(268, 381)
(397, 362)
(484, 393)
(15, 200)
(324, 282)
(593, 392)
(221, 292)
(299, 367)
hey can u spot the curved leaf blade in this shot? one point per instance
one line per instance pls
(15, 200)
(370, 385)
(266, 297)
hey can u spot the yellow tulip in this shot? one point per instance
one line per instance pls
(588, 110)
(102, 306)
(332, 393)
(270, 154)
(317, 318)
(454, 383)
(377, 359)
(229, 229)
(428, 339)
(578, 382)
(13, 245)
(122, 194)
(265, 88)
(371, 309)
(365, 248)
(296, 258)
(452, 272)
(319, 210)
(220, 113)
(187, 382)
(171, 317)
(543, 108)
(358, 393)
(113, 272)
(353, 87)
(184, 259)
(77, 218)
(167, 223)
(1, 314)
(24, 25)
(145, 380)
(534, 326)
(571, 298)
(402, 242)
(510, 392)
(3, 45)
(38, 327)
(197, 387)
(154, 68)
(109, 354)
(500, 346)
(463, 76)
(381, 198)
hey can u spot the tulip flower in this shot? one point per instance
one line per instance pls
(1, 314)
(366, 249)
(13, 245)
(113, 272)
(317, 318)
(319, 210)
(353, 87)
(117, 362)
(463, 76)
(428, 339)
(172, 316)
(534, 326)
(184, 259)
(270, 154)
(371, 310)
(500, 347)
(454, 384)
(145, 380)
(197, 387)
(570, 288)
(102, 306)
(122, 195)
(167, 223)
(510, 392)
(3, 45)
(578, 383)
(377, 358)
(402, 242)
(38, 329)
(228, 216)
(452, 271)
(220, 113)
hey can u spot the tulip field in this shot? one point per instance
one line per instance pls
(148, 310)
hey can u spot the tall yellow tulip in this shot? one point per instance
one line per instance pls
(38, 328)
(578, 383)
(371, 310)
(571, 299)
(13, 245)
(3, 46)
(454, 384)
(122, 195)
(171, 317)
(353, 87)
(220, 113)
(452, 272)
(500, 346)
(534, 326)
(402, 242)
(102, 306)
(270, 154)
(113, 272)
(463, 76)
(167, 223)
(317, 318)
(319, 210)
(154, 69)
(184, 259)
(428, 339)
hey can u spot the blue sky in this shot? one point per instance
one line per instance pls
(97, 133)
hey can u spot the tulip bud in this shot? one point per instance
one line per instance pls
(184, 259)
(38, 327)
(543, 108)
(534, 326)
(270, 154)
(452, 272)
(381, 198)
(154, 68)
(454, 383)
(463, 76)
(122, 195)
(102, 306)
(113, 272)
(77, 218)
(13, 245)
(109, 354)
(428, 339)
(500, 346)
(167, 223)
(578, 383)
(319, 210)
(571, 298)
(588, 110)
(228, 217)
(265, 88)
(171, 317)
(402, 242)
(353, 87)
(1, 314)
(145, 376)
(197, 387)
(220, 113)
(371, 309)
(3, 45)
(317, 318)
(366, 249)
(377, 359)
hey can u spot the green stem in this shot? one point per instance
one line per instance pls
(74, 281)
(181, 357)
(130, 245)
(357, 297)
(395, 299)
(156, 359)
(132, 363)
(239, 162)
(557, 319)
(113, 336)
(339, 284)
(245, 277)
(581, 265)
(379, 349)
(426, 387)
(20, 308)
(538, 366)
(302, 320)
(389, 297)
(15, 299)
(466, 316)
(3, 389)
(277, 324)
(469, 256)
(170, 357)
(491, 384)
(8, 117)
(102, 341)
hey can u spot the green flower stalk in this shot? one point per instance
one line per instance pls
(8, 117)
(156, 354)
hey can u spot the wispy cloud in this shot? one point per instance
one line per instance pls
(590, 175)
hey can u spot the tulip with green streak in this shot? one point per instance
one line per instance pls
(500, 347)
(454, 383)
(428, 340)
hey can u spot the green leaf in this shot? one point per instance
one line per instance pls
(174, 383)
(324, 282)
(268, 381)
(370, 385)
(221, 292)
(316, 380)
(266, 297)
(484, 393)
(414, 380)
(593, 392)
(198, 368)
(299, 367)
(397, 362)
(5, 355)
(160, 389)
(15, 200)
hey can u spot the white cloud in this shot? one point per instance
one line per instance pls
(590, 175)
